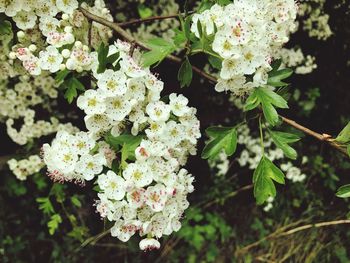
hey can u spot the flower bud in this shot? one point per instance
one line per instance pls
(32, 48)
(66, 53)
(20, 34)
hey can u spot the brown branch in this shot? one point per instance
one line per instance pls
(131, 39)
(321, 137)
(283, 232)
(149, 19)
(116, 27)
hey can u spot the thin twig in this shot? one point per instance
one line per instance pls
(321, 137)
(283, 232)
(149, 19)
(116, 27)
(131, 39)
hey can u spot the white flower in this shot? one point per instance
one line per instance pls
(67, 6)
(112, 83)
(50, 59)
(113, 185)
(137, 174)
(156, 197)
(83, 143)
(117, 108)
(158, 111)
(48, 24)
(97, 122)
(136, 197)
(149, 244)
(10, 8)
(25, 20)
(92, 102)
(123, 230)
(178, 104)
(89, 165)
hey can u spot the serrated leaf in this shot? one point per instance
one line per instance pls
(160, 48)
(276, 77)
(70, 94)
(60, 76)
(268, 100)
(222, 139)
(185, 73)
(45, 205)
(344, 191)
(263, 178)
(282, 141)
(344, 135)
(102, 54)
(55, 220)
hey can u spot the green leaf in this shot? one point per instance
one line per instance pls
(344, 191)
(60, 76)
(75, 201)
(102, 57)
(344, 135)
(222, 139)
(45, 205)
(160, 48)
(282, 140)
(204, 5)
(276, 77)
(112, 58)
(127, 143)
(72, 86)
(144, 11)
(348, 149)
(5, 27)
(263, 178)
(215, 62)
(55, 220)
(268, 100)
(185, 73)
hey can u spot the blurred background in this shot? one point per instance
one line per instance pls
(45, 222)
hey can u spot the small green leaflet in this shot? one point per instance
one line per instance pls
(215, 62)
(105, 61)
(55, 220)
(160, 49)
(263, 178)
(60, 76)
(344, 135)
(282, 141)
(5, 27)
(127, 143)
(348, 149)
(144, 11)
(45, 205)
(276, 77)
(268, 100)
(222, 138)
(72, 86)
(75, 201)
(185, 73)
(344, 191)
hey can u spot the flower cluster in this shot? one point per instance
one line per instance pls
(148, 193)
(246, 37)
(71, 31)
(25, 167)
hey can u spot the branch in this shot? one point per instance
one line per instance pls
(321, 137)
(116, 27)
(149, 19)
(131, 39)
(282, 232)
